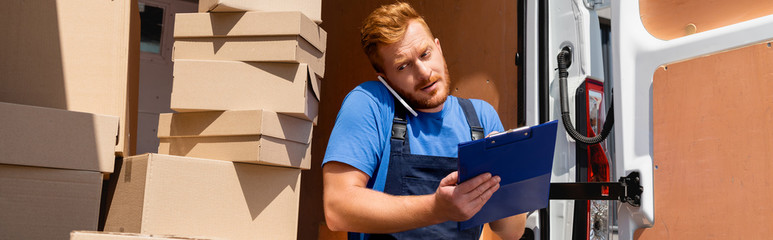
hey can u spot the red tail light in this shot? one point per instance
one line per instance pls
(592, 162)
(598, 164)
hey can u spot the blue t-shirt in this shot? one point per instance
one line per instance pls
(362, 131)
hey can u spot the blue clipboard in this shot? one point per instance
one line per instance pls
(523, 159)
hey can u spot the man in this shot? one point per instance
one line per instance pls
(391, 174)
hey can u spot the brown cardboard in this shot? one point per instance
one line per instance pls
(231, 85)
(312, 8)
(249, 149)
(78, 55)
(253, 136)
(234, 123)
(94, 235)
(47, 203)
(247, 24)
(287, 49)
(161, 194)
(48, 137)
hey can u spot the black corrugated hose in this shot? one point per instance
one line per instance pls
(564, 61)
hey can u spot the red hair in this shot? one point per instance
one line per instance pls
(386, 25)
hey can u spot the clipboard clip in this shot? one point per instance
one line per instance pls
(509, 131)
(509, 136)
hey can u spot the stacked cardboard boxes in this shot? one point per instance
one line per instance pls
(246, 92)
(246, 72)
(248, 61)
(68, 103)
(51, 170)
(77, 55)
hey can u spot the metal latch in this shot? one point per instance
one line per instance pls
(596, 4)
(628, 190)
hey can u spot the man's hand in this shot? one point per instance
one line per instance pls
(461, 202)
(492, 133)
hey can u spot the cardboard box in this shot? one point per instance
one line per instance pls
(285, 49)
(255, 136)
(78, 55)
(47, 203)
(246, 24)
(161, 194)
(93, 235)
(48, 137)
(311, 8)
(234, 123)
(248, 149)
(231, 85)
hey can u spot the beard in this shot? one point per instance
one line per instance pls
(419, 99)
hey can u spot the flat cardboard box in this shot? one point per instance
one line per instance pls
(48, 137)
(249, 24)
(47, 203)
(161, 194)
(285, 49)
(231, 85)
(234, 123)
(94, 235)
(248, 149)
(78, 55)
(311, 8)
(252, 136)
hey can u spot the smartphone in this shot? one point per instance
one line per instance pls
(397, 96)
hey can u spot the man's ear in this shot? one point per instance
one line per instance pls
(437, 43)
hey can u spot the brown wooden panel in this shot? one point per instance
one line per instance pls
(713, 145)
(479, 43)
(669, 19)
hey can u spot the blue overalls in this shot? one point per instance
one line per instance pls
(410, 174)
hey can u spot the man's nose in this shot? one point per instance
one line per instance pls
(423, 70)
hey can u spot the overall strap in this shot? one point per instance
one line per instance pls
(399, 140)
(397, 143)
(476, 131)
(399, 122)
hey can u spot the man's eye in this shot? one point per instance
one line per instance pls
(401, 67)
(425, 54)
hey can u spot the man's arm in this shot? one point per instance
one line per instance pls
(510, 227)
(351, 206)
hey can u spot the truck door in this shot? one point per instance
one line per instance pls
(637, 55)
(634, 55)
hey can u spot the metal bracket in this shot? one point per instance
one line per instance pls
(628, 190)
(596, 4)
